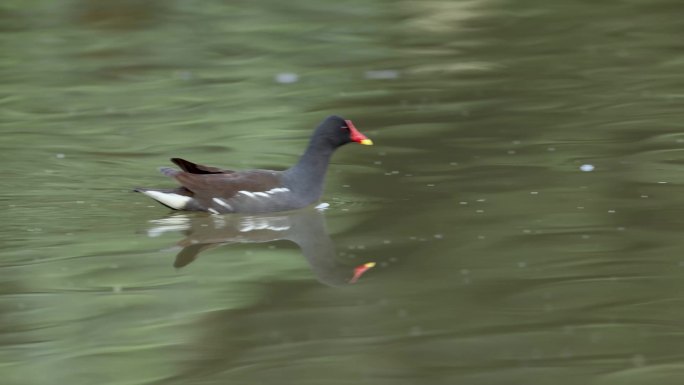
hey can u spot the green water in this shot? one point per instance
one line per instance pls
(498, 261)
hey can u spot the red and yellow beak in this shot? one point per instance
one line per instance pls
(356, 136)
(359, 270)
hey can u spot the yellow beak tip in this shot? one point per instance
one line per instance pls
(366, 142)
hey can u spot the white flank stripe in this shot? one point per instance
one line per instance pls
(247, 193)
(222, 203)
(261, 194)
(212, 211)
(172, 200)
(277, 190)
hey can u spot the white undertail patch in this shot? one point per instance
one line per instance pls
(175, 201)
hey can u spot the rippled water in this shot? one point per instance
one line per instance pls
(522, 204)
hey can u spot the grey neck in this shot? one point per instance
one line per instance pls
(308, 175)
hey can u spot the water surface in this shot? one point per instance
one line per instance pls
(497, 259)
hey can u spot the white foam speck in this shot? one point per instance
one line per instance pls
(184, 75)
(382, 74)
(286, 78)
(587, 167)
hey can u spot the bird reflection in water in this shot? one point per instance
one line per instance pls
(305, 227)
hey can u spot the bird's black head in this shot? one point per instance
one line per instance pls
(338, 131)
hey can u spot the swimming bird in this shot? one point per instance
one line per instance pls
(216, 190)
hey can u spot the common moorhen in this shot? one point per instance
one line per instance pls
(205, 188)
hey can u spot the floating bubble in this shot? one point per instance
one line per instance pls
(322, 206)
(286, 78)
(184, 75)
(382, 74)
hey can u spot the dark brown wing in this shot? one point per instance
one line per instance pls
(195, 168)
(227, 185)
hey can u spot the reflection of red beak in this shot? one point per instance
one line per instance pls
(359, 270)
(356, 136)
